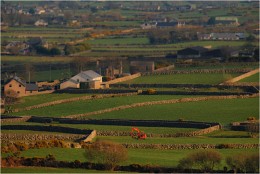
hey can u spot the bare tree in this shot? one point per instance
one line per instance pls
(107, 153)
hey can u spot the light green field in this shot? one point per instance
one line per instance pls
(253, 78)
(93, 105)
(181, 140)
(182, 79)
(35, 59)
(120, 41)
(44, 98)
(167, 158)
(222, 111)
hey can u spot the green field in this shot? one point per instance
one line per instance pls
(44, 98)
(93, 105)
(182, 79)
(47, 170)
(167, 158)
(222, 111)
(253, 78)
(120, 41)
(35, 59)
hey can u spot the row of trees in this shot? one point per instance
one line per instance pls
(110, 154)
(71, 49)
(45, 51)
(167, 36)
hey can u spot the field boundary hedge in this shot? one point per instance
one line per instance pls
(173, 101)
(190, 146)
(7, 137)
(180, 134)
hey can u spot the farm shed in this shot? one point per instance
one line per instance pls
(192, 52)
(85, 79)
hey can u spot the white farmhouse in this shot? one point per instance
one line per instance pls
(86, 80)
(40, 23)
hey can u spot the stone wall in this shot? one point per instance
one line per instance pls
(180, 134)
(91, 136)
(190, 146)
(165, 69)
(96, 91)
(248, 74)
(190, 86)
(6, 137)
(46, 128)
(122, 79)
(202, 71)
(15, 119)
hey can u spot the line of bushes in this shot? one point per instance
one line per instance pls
(22, 146)
(205, 162)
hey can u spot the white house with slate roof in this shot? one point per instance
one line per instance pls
(85, 79)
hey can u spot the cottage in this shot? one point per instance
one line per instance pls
(193, 52)
(19, 87)
(141, 66)
(162, 24)
(148, 25)
(17, 47)
(85, 79)
(221, 36)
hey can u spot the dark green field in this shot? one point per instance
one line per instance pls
(182, 79)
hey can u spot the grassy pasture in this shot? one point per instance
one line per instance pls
(92, 105)
(38, 99)
(47, 170)
(183, 79)
(119, 41)
(167, 158)
(253, 78)
(222, 111)
(35, 59)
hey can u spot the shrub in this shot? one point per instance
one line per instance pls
(251, 118)
(205, 160)
(151, 91)
(107, 153)
(244, 163)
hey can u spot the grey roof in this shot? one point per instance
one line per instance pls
(31, 87)
(224, 35)
(200, 49)
(91, 74)
(22, 82)
(167, 24)
(73, 81)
